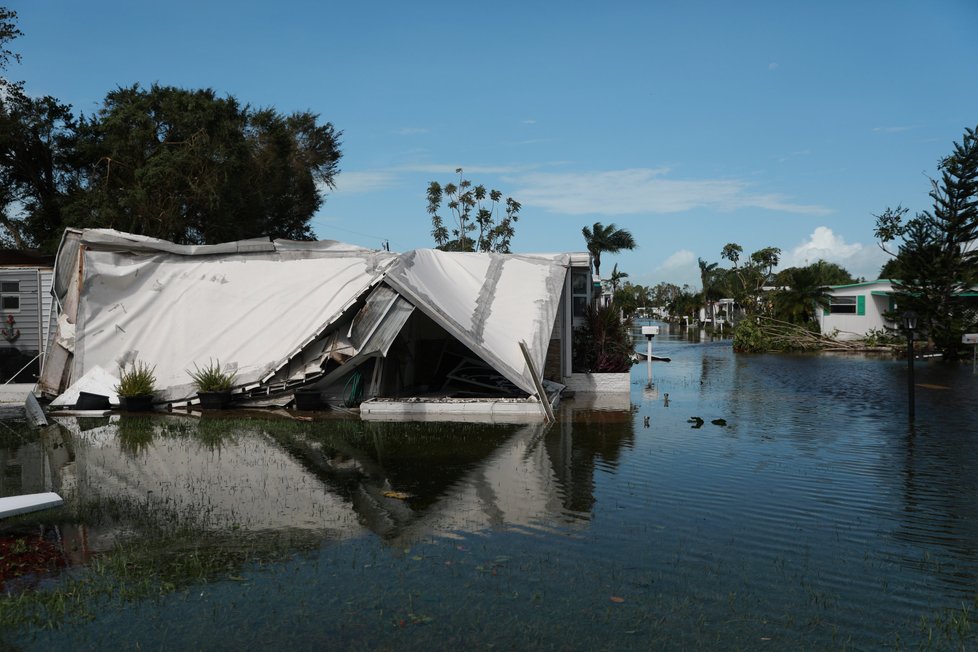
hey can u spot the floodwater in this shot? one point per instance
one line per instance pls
(802, 511)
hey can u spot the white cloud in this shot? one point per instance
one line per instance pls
(682, 258)
(364, 181)
(824, 244)
(644, 190)
(773, 66)
(410, 131)
(529, 121)
(680, 268)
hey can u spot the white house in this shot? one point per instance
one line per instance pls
(858, 308)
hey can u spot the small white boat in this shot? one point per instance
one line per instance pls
(13, 505)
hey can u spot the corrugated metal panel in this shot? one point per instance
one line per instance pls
(386, 332)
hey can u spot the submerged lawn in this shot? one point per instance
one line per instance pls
(809, 516)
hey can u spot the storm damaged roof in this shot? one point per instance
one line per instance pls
(265, 308)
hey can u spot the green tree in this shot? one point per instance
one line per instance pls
(606, 239)
(188, 166)
(745, 282)
(825, 272)
(685, 303)
(616, 278)
(937, 253)
(473, 208)
(662, 294)
(35, 142)
(892, 269)
(711, 292)
(800, 295)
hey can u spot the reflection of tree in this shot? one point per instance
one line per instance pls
(940, 481)
(584, 440)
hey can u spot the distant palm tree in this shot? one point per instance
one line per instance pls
(616, 277)
(804, 294)
(708, 279)
(601, 238)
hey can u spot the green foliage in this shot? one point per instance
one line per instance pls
(603, 344)
(188, 166)
(801, 294)
(610, 239)
(685, 303)
(36, 145)
(662, 294)
(763, 334)
(212, 378)
(743, 282)
(473, 208)
(138, 379)
(937, 258)
(749, 338)
(183, 165)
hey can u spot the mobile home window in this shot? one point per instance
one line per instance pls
(579, 281)
(843, 305)
(853, 305)
(10, 296)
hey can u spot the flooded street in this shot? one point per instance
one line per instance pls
(741, 501)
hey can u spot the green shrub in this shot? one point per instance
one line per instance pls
(138, 379)
(212, 378)
(604, 344)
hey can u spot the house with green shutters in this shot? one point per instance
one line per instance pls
(858, 308)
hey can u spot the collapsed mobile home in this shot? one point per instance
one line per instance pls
(398, 333)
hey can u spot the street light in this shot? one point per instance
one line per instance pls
(910, 325)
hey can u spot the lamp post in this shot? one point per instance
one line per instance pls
(910, 325)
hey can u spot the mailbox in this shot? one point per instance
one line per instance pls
(650, 331)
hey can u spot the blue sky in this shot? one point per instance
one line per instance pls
(691, 124)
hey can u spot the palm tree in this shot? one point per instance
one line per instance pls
(804, 294)
(708, 279)
(616, 277)
(601, 238)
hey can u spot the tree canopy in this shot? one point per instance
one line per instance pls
(610, 239)
(938, 260)
(473, 208)
(180, 164)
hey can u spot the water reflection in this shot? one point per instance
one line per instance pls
(803, 509)
(340, 478)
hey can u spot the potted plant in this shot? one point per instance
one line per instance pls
(137, 382)
(213, 385)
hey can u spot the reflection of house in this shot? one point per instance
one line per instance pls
(25, 312)
(288, 315)
(858, 308)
